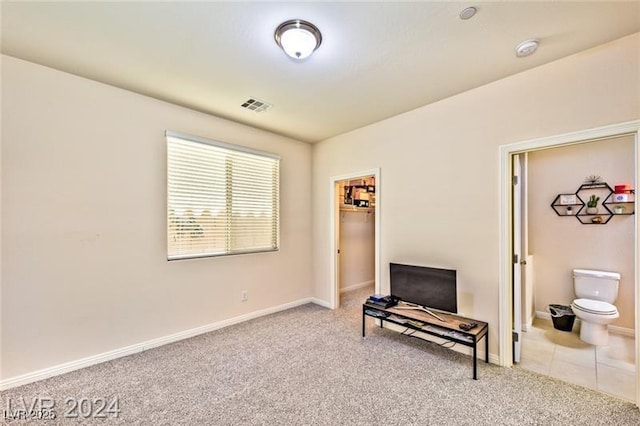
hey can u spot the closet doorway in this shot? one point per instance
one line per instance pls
(355, 260)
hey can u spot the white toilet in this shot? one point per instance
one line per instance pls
(596, 292)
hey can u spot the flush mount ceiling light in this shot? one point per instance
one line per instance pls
(298, 38)
(526, 48)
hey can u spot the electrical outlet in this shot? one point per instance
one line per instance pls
(245, 295)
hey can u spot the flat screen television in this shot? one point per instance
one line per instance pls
(425, 286)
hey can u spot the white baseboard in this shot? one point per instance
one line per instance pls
(614, 329)
(357, 286)
(143, 346)
(528, 323)
(623, 331)
(322, 303)
(543, 315)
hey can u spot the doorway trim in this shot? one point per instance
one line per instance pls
(505, 296)
(334, 214)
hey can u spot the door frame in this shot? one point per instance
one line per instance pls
(334, 214)
(505, 296)
(517, 249)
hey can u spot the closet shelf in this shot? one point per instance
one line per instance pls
(358, 196)
(349, 208)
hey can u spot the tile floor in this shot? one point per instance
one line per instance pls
(561, 354)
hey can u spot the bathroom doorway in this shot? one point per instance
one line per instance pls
(559, 243)
(557, 347)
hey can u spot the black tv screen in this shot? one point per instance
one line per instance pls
(429, 287)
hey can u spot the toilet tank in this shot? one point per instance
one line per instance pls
(596, 285)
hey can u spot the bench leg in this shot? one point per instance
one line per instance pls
(486, 348)
(475, 361)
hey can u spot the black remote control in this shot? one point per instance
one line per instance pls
(469, 326)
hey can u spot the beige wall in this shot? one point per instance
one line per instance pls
(357, 248)
(84, 266)
(83, 201)
(439, 184)
(560, 244)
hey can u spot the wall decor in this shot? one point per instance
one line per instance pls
(595, 202)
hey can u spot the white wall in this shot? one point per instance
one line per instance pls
(560, 244)
(439, 185)
(84, 266)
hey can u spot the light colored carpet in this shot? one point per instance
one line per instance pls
(309, 366)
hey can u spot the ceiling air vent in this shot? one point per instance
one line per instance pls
(256, 105)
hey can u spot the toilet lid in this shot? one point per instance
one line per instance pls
(594, 306)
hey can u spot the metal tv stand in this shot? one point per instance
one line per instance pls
(444, 326)
(407, 305)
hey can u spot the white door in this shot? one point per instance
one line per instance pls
(518, 255)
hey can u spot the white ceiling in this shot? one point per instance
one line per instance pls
(377, 59)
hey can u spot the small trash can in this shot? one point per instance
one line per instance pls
(562, 317)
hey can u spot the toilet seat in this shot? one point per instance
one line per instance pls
(596, 307)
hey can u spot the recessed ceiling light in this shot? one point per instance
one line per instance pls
(298, 38)
(526, 48)
(468, 13)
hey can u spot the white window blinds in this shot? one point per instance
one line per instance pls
(221, 198)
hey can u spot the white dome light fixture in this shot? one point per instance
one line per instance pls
(527, 48)
(298, 38)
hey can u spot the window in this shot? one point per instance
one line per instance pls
(221, 198)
